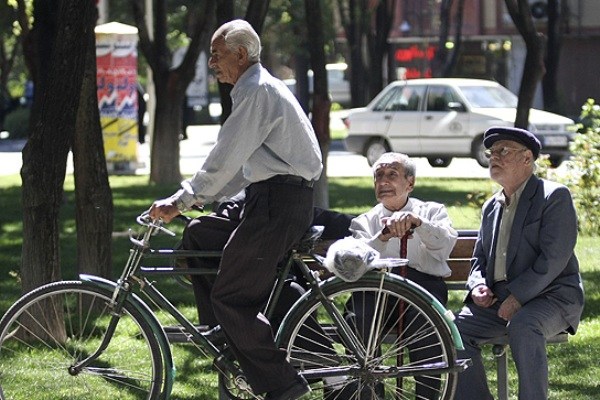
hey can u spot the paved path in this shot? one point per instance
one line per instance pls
(201, 138)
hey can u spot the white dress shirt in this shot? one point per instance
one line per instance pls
(267, 134)
(430, 245)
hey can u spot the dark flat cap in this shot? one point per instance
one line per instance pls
(526, 138)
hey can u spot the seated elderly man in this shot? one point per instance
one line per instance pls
(524, 281)
(432, 238)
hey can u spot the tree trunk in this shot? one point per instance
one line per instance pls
(225, 12)
(7, 60)
(321, 103)
(93, 196)
(379, 48)
(164, 153)
(451, 64)
(60, 32)
(351, 15)
(256, 12)
(170, 83)
(550, 80)
(441, 54)
(534, 61)
(301, 57)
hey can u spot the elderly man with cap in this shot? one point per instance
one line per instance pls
(524, 280)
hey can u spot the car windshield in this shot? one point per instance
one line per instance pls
(489, 96)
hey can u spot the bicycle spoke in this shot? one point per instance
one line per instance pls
(57, 326)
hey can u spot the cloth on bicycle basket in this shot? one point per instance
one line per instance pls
(349, 258)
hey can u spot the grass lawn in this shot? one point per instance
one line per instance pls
(574, 368)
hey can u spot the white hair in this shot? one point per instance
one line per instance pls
(239, 33)
(410, 169)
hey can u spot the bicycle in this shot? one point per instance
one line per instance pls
(95, 338)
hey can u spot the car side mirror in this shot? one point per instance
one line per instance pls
(456, 106)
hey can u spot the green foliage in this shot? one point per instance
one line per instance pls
(589, 119)
(583, 170)
(17, 123)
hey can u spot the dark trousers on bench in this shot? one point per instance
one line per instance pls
(527, 333)
(360, 314)
(275, 216)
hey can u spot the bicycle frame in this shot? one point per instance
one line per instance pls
(134, 273)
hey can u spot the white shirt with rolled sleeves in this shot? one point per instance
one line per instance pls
(267, 134)
(430, 245)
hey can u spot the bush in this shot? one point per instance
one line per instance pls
(17, 123)
(584, 170)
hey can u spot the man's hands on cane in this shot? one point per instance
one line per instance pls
(399, 224)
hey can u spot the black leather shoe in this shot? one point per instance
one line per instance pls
(297, 389)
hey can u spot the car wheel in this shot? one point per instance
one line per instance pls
(375, 149)
(478, 152)
(439, 162)
(555, 161)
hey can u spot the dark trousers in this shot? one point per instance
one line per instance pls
(361, 308)
(527, 331)
(275, 216)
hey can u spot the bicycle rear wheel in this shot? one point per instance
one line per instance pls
(53, 327)
(407, 348)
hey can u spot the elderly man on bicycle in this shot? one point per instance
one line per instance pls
(267, 147)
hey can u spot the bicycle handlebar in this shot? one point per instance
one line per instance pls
(144, 219)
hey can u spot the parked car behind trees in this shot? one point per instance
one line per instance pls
(337, 83)
(442, 118)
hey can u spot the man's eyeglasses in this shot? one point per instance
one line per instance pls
(501, 152)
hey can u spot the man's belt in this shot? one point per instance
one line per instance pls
(291, 180)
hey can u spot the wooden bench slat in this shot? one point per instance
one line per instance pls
(460, 270)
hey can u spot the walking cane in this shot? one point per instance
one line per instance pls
(402, 272)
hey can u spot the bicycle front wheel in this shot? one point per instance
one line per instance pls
(400, 347)
(54, 327)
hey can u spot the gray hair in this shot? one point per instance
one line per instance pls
(239, 33)
(410, 169)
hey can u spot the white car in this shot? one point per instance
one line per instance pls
(442, 118)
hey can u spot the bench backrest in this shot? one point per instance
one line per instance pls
(460, 259)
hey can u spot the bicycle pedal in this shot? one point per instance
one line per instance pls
(216, 336)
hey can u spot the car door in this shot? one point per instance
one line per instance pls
(404, 118)
(444, 130)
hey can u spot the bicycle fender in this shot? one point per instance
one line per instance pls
(149, 316)
(447, 315)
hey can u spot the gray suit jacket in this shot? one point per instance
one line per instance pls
(540, 258)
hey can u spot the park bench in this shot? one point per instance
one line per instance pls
(460, 264)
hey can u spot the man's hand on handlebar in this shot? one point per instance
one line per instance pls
(164, 209)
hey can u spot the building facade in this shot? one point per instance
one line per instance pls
(492, 48)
